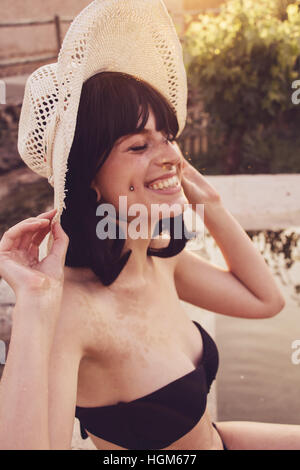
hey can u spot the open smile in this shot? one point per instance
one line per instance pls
(165, 185)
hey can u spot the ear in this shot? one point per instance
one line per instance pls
(94, 186)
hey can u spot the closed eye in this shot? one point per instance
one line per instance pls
(137, 149)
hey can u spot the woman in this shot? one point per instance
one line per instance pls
(113, 337)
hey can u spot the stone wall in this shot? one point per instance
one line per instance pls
(9, 119)
(23, 193)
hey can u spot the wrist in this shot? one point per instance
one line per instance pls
(212, 205)
(40, 290)
(39, 304)
(213, 213)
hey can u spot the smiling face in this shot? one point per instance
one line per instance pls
(150, 163)
(121, 140)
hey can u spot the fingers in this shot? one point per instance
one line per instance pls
(28, 237)
(60, 243)
(36, 240)
(19, 236)
(40, 235)
(47, 215)
(18, 231)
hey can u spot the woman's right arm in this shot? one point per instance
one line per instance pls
(24, 387)
(24, 383)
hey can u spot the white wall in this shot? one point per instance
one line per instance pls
(261, 202)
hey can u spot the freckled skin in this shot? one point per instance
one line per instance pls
(137, 336)
(135, 168)
(128, 323)
(135, 346)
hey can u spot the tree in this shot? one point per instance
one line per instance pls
(244, 61)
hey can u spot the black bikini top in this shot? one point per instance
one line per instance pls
(158, 419)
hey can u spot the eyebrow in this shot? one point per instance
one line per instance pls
(143, 131)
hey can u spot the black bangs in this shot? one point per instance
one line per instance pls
(126, 101)
(112, 105)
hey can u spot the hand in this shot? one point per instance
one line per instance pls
(19, 255)
(196, 187)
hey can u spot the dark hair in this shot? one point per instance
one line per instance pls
(111, 105)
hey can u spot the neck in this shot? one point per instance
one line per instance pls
(139, 267)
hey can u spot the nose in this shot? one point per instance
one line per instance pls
(169, 156)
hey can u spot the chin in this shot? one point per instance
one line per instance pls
(168, 206)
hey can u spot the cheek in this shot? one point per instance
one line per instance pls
(113, 188)
(111, 180)
(115, 179)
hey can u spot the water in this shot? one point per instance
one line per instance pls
(257, 379)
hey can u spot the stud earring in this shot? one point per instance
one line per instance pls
(131, 188)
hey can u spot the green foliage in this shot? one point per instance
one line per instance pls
(244, 61)
(210, 162)
(271, 150)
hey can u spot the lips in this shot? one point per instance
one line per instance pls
(162, 177)
(165, 191)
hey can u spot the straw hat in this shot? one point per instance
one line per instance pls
(136, 37)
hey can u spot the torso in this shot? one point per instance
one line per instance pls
(137, 340)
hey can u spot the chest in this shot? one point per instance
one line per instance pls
(137, 342)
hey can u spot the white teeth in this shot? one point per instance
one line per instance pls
(170, 182)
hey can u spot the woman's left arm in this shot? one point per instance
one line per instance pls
(247, 289)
